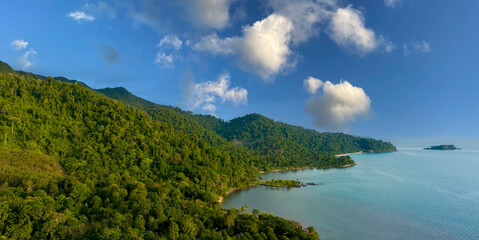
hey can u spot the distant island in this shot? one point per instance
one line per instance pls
(284, 183)
(442, 147)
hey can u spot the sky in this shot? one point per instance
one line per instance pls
(379, 68)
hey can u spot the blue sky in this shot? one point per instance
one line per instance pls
(379, 68)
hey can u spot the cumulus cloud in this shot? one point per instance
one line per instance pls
(164, 60)
(168, 42)
(338, 104)
(109, 54)
(422, 46)
(80, 16)
(218, 46)
(391, 3)
(24, 61)
(206, 94)
(263, 48)
(213, 14)
(347, 29)
(171, 41)
(19, 44)
(305, 15)
(266, 47)
(312, 85)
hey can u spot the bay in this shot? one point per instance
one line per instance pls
(409, 194)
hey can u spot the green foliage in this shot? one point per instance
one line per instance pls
(5, 68)
(266, 143)
(442, 147)
(120, 93)
(79, 165)
(290, 146)
(29, 168)
(281, 183)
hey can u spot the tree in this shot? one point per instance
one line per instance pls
(173, 230)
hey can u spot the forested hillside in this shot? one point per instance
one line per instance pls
(292, 145)
(285, 146)
(77, 164)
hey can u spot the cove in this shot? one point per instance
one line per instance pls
(408, 194)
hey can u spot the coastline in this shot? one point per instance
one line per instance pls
(348, 165)
(346, 154)
(222, 198)
(285, 170)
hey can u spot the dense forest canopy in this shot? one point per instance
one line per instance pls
(76, 164)
(286, 146)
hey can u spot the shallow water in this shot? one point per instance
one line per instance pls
(409, 194)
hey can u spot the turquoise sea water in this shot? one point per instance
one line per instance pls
(408, 194)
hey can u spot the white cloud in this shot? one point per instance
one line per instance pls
(338, 104)
(213, 14)
(218, 46)
(391, 3)
(24, 62)
(171, 40)
(347, 29)
(305, 15)
(19, 44)
(81, 16)
(388, 45)
(266, 45)
(209, 107)
(164, 60)
(263, 48)
(205, 95)
(312, 85)
(422, 46)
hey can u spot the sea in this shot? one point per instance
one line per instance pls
(408, 194)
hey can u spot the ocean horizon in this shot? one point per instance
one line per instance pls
(408, 194)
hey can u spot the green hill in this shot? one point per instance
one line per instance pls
(123, 95)
(78, 164)
(286, 146)
(5, 68)
(122, 175)
(289, 146)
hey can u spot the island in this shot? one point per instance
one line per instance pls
(442, 147)
(284, 183)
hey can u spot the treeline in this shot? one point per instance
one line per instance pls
(78, 165)
(281, 183)
(75, 164)
(277, 145)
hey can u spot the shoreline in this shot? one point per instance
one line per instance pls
(348, 165)
(285, 170)
(222, 198)
(346, 154)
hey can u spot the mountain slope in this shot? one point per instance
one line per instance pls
(122, 175)
(123, 95)
(285, 145)
(258, 130)
(5, 68)
(77, 164)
